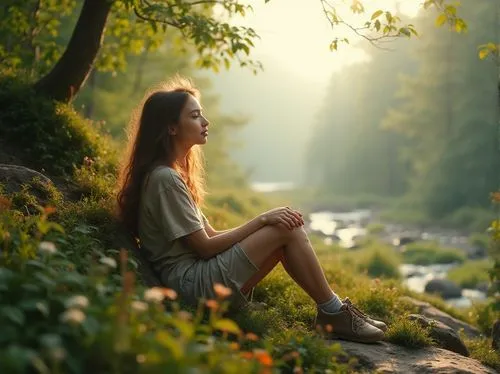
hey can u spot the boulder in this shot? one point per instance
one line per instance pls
(432, 312)
(443, 287)
(444, 336)
(385, 357)
(15, 178)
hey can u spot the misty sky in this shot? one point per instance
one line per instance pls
(281, 101)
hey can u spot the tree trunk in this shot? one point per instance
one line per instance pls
(68, 75)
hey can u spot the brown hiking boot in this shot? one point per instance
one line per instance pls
(378, 324)
(348, 325)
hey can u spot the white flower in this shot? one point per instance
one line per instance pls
(73, 316)
(47, 247)
(154, 294)
(139, 306)
(77, 301)
(108, 261)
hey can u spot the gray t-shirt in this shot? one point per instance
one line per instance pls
(167, 212)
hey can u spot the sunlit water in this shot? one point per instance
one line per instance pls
(333, 226)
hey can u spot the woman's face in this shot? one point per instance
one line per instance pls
(193, 126)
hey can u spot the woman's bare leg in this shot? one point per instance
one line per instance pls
(267, 266)
(301, 261)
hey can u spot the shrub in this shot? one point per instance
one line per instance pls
(471, 273)
(479, 240)
(426, 253)
(375, 228)
(380, 264)
(52, 136)
(55, 318)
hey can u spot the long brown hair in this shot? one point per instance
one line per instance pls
(150, 145)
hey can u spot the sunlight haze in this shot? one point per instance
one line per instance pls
(294, 48)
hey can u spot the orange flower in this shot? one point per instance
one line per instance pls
(222, 291)
(212, 304)
(49, 210)
(251, 336)
(263, 357)
(247, 355)
(169, 293)
(5, 203)
(329, 328)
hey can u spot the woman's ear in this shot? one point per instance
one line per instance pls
(172, 130)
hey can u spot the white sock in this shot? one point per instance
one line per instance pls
(331, 306)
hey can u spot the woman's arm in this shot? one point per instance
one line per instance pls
(208, 242)
(211, 232)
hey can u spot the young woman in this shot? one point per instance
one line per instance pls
(159, 199)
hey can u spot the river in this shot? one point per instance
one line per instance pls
(347, 227)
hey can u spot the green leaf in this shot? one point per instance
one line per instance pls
(377, 14)
(169, 342)
(16, 315)
(441, 20)
(483, 53)
(227, 325)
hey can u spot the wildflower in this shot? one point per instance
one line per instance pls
(234, 346)
(77, 301)
(140, 358)
(87, 161)
(108, 261)
(154, 294)
(252, 337)
(47, 247)
(263, 357)
(222, 291)
(298, 370)
(169, 293)
(73, 316)
(212, 304)
(139, 306)
(247, 355)
(49, 210)
(328, 328)
(5, 203)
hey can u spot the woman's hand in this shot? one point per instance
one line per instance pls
(286, 216)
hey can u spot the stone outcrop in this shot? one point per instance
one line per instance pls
(385, 357)
(444, 336)
(443, 287)
(432, 312)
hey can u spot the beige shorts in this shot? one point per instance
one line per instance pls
(231, 268)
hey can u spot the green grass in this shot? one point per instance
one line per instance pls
(426, 253)
(471, 273)
(408, 334)
(481, 350)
